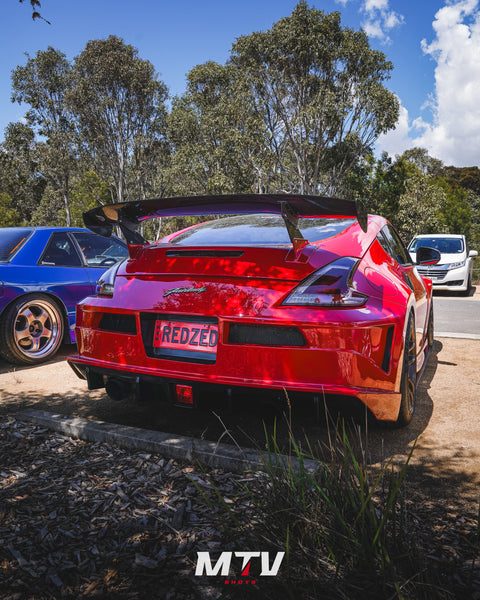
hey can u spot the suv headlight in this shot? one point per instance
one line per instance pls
(329, 286)
(457, 265)
(106, 283)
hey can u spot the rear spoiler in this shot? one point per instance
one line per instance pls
(128, 215)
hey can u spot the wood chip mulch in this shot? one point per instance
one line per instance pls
(79, 519)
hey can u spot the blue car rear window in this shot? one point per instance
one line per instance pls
(11, 240)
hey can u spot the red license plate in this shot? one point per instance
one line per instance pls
(177, 335)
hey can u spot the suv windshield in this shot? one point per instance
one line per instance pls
(443, 245)
(11, 240)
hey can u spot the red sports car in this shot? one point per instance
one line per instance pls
(306, 294)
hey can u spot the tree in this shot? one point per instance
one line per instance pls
(420, 207)
(9, 216)
(423, 161)
(88, 192)
(466, 177)
(120, 106)
(217, 144)
(319, 91)
(20, 177)
(43, 84)
(379, 183)
(456, 213)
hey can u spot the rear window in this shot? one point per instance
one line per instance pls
(11, 240)
(257, 230)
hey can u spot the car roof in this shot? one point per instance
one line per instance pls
(44, 228)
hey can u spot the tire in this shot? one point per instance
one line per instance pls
(469, 286)
(408, 383)
(430, 330)
(31, 329)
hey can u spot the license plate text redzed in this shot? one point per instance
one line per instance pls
(178, 335)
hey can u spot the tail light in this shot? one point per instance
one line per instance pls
(106, 283)
(331, 285)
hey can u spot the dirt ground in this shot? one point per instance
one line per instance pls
(446, 426)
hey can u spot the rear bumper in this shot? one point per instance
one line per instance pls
(353, 360)
(383, 405)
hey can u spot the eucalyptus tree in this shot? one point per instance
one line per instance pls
(43, 83)
(120, 105)
(216, 141)
(319, 90)
(20, 176)
(9, 216)
(420, 208)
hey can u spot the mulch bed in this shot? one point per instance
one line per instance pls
(89, 520)
(80, 519)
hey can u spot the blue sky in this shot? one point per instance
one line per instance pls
(434, 46)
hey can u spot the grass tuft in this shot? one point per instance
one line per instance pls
(345, 527)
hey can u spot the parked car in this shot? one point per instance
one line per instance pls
(453, 271)
(44, 272)
(304, 294)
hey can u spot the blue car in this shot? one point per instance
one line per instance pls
(44, 273)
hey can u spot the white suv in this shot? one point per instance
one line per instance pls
(453, 271)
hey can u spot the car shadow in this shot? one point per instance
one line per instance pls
(247, 422)
(452, 294)
(383, 441)
(64, 351)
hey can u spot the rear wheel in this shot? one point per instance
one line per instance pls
(408, 384)
(31, 329)
(430, 333)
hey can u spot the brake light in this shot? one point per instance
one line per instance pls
(184, 394)
(331, 285)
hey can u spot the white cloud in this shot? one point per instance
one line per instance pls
(371, 5)
(398, 140)
(454, 134)
(380, 19)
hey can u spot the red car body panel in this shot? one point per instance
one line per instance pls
(352, 352)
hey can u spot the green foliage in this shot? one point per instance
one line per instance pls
(88, 192)
(296, 108)
(217, 147)
(455, 213)
(342, 524)
(50, 211)
(9, 216)
(422, 161)
(318, 89)
(467, 178)
(43, 83)
(420, 208)
(380, 183)
(19, 175)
